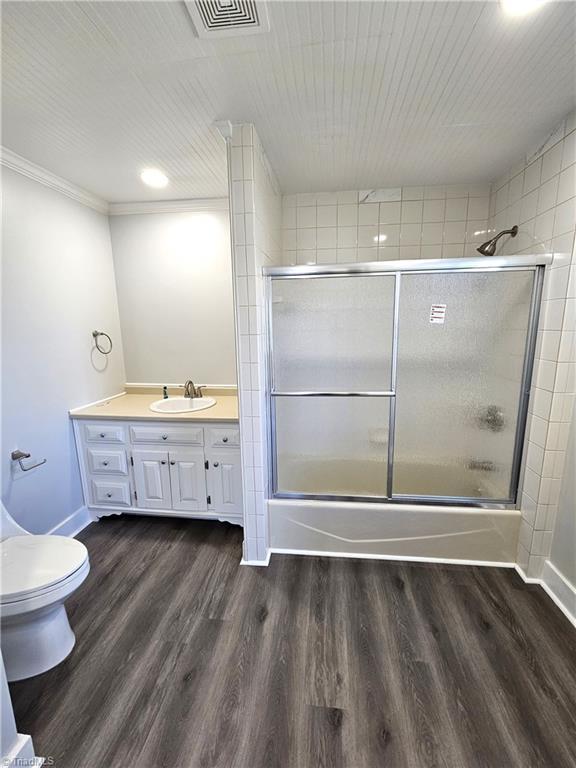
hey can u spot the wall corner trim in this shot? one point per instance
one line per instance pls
(73, 524)
(556, 586)
(48, 179)
(169, 206)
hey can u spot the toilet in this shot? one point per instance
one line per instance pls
(38, 573)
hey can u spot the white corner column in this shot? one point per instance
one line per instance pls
(256, 213)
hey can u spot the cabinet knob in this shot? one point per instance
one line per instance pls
(162, 462)
(102, 434)
(109, 494)
(164, 437)
(215, 463)
(172, 463)
(104, 463)
(224, 439)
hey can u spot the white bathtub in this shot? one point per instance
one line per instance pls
(394, 531)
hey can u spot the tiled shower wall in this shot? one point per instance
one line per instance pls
(415, 222)
(540, 196)
(256, 230)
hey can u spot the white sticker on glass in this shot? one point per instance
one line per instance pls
(438, 313)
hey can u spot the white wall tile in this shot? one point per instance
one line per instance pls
(434, 210)
(566, 184)
(411, 212)
(552, 162)
(306, 216)
(347, 215)
(532, 176)
(390, 213)
(457, 209)
(410, 234)
(368, 213)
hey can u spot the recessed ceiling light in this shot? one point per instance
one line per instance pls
(154, 178)
(520, 7)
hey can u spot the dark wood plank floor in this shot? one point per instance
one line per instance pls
(186, 659)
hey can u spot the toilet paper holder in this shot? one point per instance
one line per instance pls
(19, 456)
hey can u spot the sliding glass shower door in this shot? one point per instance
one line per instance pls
(405, 385)
(331, 371)
(461, 351)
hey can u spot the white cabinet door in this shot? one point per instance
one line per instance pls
(152, 479)
(225, 481)
(188, 480)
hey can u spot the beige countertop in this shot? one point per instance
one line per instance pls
(132, 407)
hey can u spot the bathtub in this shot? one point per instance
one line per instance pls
(392, 530)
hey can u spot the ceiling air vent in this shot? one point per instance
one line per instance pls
(227, 18)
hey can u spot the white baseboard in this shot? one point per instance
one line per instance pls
(560, 590)
(258, 562)
(73, 524)
(527, 579)
(557, 587)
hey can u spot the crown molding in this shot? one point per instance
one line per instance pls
(27, 168)
(48, 179)
(169, 206)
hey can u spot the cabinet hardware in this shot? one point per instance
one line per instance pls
(215, 463)
(209, 500)
(132, 460)
(109, 495)
(224, 439)
(206, 464)
(162, 462)
(102, 434)
(104, 463)
(164, 437)
(172, 463)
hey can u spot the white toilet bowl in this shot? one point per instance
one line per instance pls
(38, 573)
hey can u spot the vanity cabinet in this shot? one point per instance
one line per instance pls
(188, 470)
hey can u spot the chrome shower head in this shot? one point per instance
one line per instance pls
(489, 248)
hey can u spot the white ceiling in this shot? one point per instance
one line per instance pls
(344, 95)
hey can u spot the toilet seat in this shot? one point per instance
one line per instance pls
(32, 565)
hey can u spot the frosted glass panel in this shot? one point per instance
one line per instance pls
(332, 445)
(332, 333)
(461, 352)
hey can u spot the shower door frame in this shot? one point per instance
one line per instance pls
(396, 269)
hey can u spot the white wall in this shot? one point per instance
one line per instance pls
(174, 282)
(57, 286)
(418, 222)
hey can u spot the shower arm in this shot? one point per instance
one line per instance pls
(489, 247)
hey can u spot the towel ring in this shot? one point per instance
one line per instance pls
(96, 335)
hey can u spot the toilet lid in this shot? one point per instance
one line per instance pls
(31, 563)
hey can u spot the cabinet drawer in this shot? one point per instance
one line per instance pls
(224, 436)
(104, 433)
(111, 492)
(101, 461)
(170, 433)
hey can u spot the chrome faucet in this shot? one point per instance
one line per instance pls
(191, 390)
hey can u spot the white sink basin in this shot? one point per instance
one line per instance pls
(182, 404)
